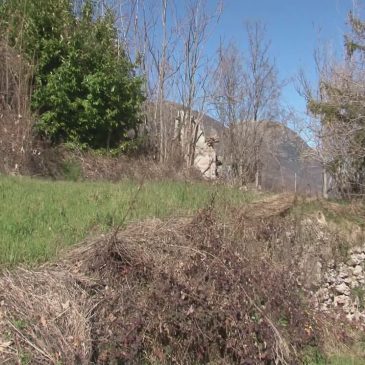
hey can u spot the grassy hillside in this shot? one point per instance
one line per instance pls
(39, 218)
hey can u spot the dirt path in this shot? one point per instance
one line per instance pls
(274, 205)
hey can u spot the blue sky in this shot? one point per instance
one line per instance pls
(295, 28)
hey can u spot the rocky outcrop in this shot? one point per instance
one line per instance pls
(206, 159)
(206, 140)
(287, 162)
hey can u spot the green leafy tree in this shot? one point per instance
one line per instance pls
(85, 89)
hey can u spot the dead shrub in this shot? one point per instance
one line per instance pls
(191, 296)
(176, 292)
(49, 161)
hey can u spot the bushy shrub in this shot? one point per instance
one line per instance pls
(84, 86)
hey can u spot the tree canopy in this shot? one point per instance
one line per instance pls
(84, 87)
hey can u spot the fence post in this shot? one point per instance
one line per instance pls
(324, 184)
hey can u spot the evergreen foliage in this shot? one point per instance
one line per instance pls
(84, 87)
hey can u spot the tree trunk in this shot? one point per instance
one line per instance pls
(325, 184)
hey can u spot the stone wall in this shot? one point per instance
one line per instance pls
(343, 286)
(331, 263)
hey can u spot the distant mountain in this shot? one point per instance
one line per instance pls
(286, 157)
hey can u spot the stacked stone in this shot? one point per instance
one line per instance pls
(344, 286)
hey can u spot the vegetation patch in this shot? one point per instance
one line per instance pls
(159, 292)
(71, 170)
(39, 218)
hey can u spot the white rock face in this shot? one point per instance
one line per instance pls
(205, 157)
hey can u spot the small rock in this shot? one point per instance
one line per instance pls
(331, 276)
(348, 280)
(323, 308)
(354, 284)
(331, 264)
(353, 316)
(322, 294)
(343, 289)
(357, 250)
(343, 272)
(341, 300)
(357, 270)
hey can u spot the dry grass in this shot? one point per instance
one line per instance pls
(179, 291)
(44, 318)
(271, 206)
(64, 162)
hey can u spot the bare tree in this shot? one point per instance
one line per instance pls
(169, 48)
(246, 92)
(338, 126)
(260, 80)
(176, 71)
(229, 103)
(338, 133)
(193, 75)
(147, 31)
(161, 82)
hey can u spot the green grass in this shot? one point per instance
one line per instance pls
(314, 357)
(39, 218)
(339, 218)
(343, 360)
(340, 360)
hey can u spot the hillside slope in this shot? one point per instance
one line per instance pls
(210, 288)
(284, 154)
